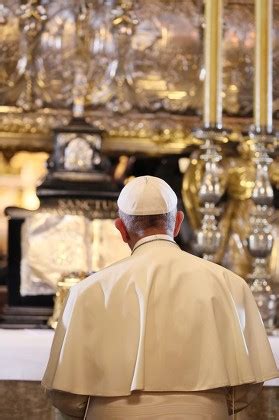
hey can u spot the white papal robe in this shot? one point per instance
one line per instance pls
(159, 321)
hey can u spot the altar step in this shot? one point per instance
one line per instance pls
(20, 317)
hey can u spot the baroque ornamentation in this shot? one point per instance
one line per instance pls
(13, 56)
(260, 239)
(132, 55)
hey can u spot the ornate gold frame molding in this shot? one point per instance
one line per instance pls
(135, 133)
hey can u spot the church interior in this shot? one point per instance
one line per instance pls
(96, 92)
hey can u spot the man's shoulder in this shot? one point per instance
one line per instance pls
(198, 263)
(183, 263)
(212, 269)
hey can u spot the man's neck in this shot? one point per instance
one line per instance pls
(147, 232)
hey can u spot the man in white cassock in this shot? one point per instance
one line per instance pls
(161, 334)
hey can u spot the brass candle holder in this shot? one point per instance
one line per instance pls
(63, 287)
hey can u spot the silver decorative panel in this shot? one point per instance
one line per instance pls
(54, 246)
(133, 55)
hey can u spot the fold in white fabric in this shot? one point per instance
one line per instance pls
(159, 320)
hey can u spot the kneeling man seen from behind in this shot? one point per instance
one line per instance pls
(161, 334)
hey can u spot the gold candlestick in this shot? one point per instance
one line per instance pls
(212, 110)
(263, 66)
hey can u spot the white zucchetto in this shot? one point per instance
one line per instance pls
(147, 195)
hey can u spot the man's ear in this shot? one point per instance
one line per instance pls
(122, 229)
(178, 222)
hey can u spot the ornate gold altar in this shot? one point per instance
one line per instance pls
(187, 90)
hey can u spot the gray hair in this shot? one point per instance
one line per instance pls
(139, 224)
